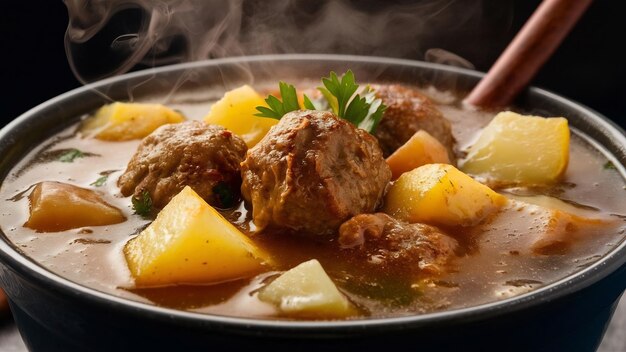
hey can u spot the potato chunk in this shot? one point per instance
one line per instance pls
(125, 121)
(441, 194)
(420, 150)
(190, 242)
(235, 111)
(56, 206)
(306, 290)
(520, 149)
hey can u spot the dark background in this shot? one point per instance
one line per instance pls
(589, 67)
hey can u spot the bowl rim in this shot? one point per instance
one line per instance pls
(610, 263)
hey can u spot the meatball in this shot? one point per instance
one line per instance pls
(383, 242)
(204, 157)
(312, 172)
(408, 111)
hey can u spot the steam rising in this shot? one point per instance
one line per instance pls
(110, 37)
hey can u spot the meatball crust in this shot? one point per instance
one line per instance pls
(312, 172)
(409, 111)
(190, 153)
(382, 242)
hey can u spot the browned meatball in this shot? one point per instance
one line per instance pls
(409, 111)
(192, 153)
(312, 172)
(383, 242)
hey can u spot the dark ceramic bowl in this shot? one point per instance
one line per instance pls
(53, 313)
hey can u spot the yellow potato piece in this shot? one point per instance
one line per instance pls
(306, 290)
(441, 194)
(420, 150)
(126, 121)
(190, 242)
(515, 148)
(235, 112)
(56, 206)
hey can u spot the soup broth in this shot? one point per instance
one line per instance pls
(494, 261)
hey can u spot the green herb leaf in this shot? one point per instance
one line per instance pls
(308, 103)
(357, 110)
(70, 155)
(290, 97)
(609, 166)
(267, 112)
(142, 205)
(225, 195)
(100, 181)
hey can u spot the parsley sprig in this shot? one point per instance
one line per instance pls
(364, 109)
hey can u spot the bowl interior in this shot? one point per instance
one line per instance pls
(208, 80)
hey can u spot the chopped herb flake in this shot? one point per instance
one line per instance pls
(142, 204)
(70, 155)
(609, 166)
(224, 195)
(100, 181)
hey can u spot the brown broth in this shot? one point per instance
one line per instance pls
(495, 263)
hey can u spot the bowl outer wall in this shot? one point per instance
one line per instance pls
(23, 278)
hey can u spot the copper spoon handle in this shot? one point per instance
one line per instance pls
(529, 50)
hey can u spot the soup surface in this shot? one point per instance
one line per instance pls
(493, 261)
